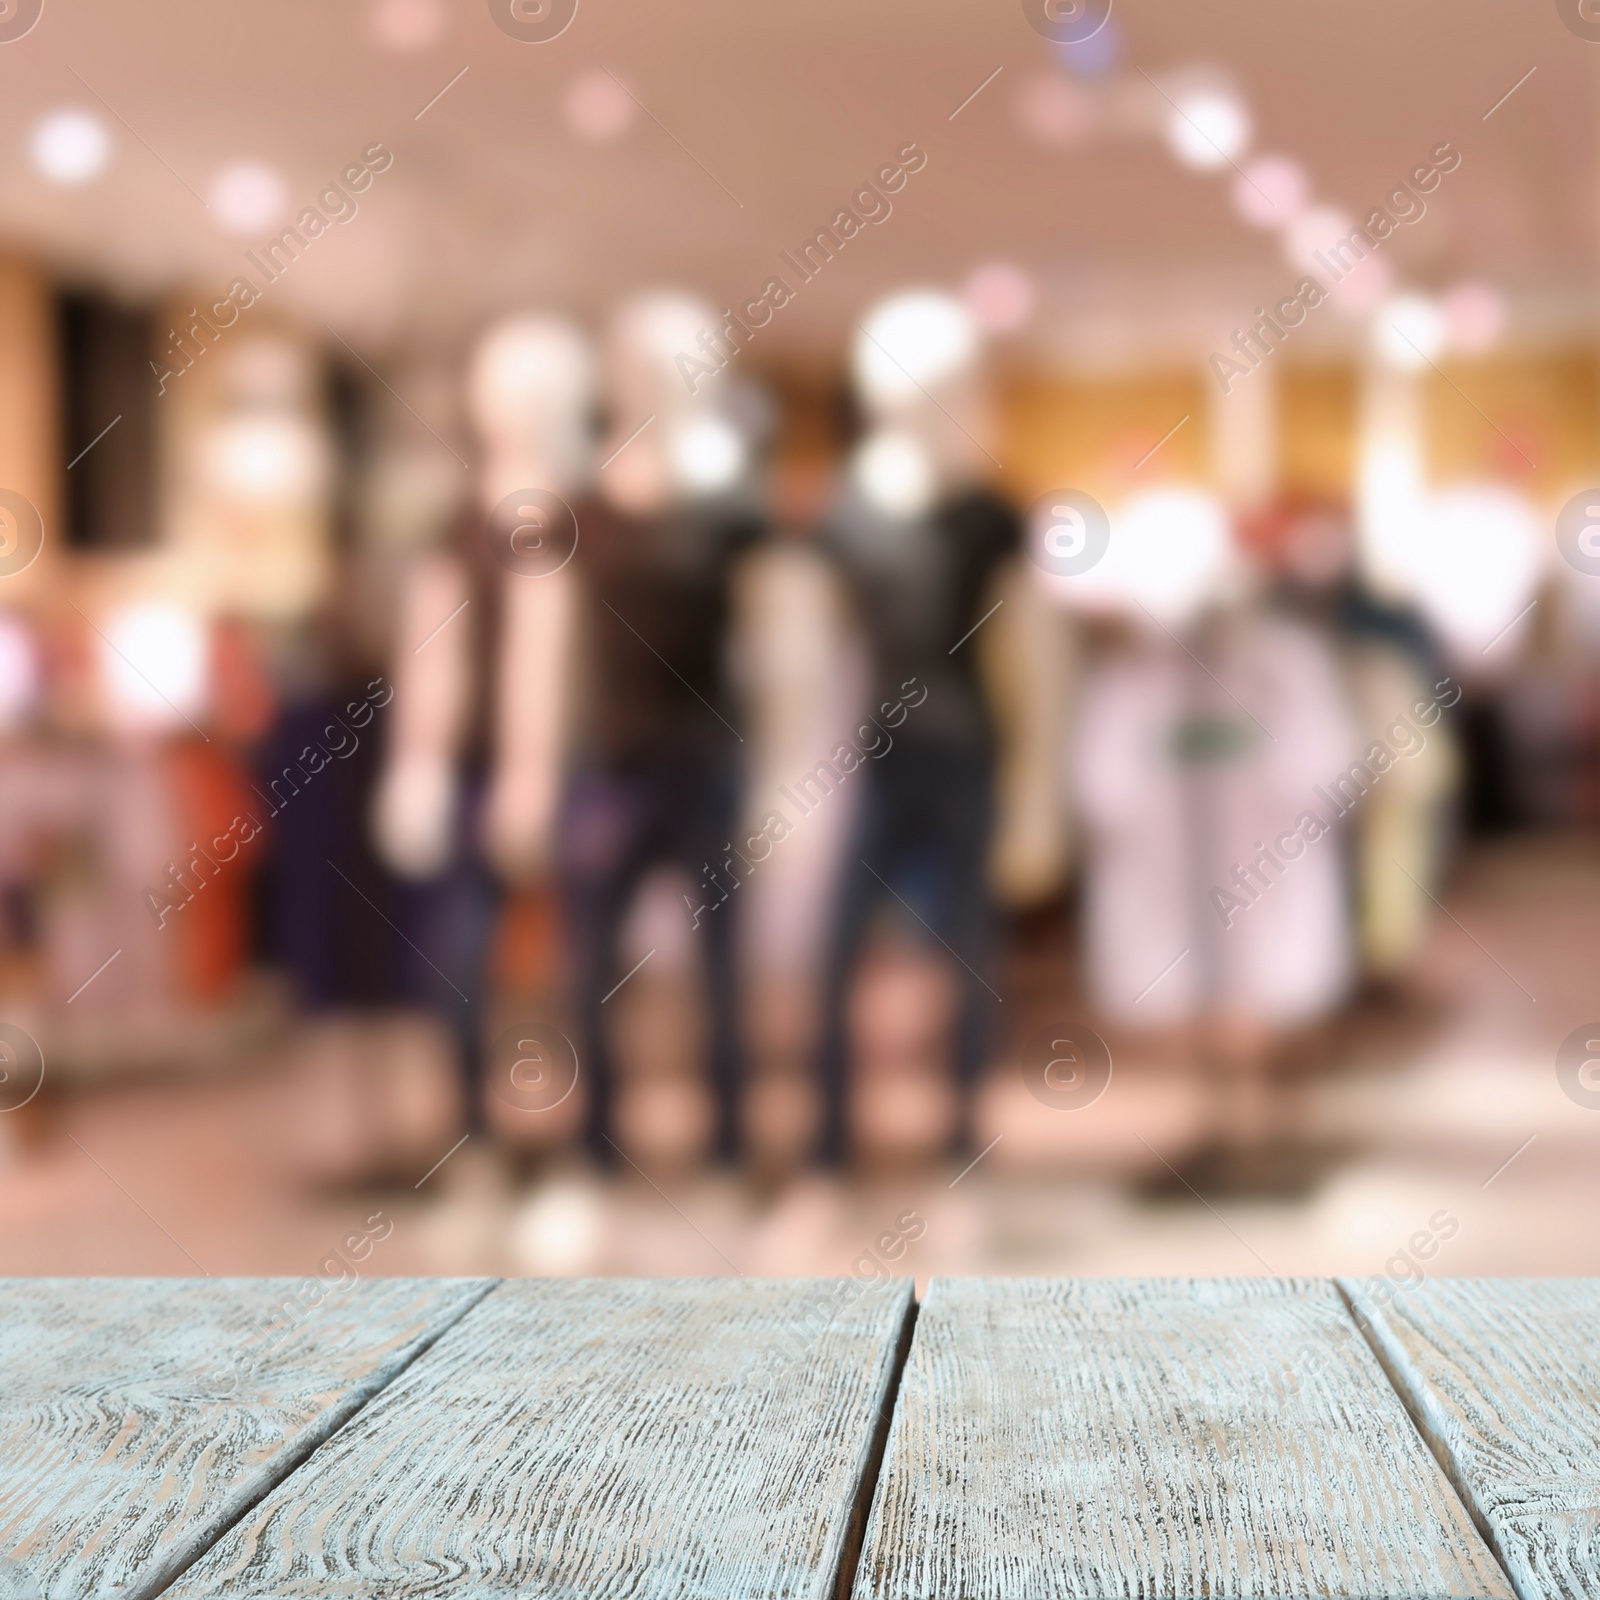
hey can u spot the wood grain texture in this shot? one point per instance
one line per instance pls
(1095, 1438)
(1503, 1377)
(139, 1417)
(607, 1439)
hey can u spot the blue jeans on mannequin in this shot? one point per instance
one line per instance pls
(619, 826)
(925, 829)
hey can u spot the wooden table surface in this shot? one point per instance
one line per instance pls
(738, 1439)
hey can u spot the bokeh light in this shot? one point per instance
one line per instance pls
(153, 665)
(1474, 317)
(1001, 297)
(1208, 129)
(892, 472)
(1409, 330)
(248, 197)
(598, 108)
(1271, 191)
(913, 341)
(70, 146)
(406, 26)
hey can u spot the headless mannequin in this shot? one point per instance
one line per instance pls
(802, 665)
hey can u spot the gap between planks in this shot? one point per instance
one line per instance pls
(1389, 1360)
(315, 1436)
(872, 1467)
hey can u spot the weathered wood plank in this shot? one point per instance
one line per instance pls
(612, 1439)
(1096, 1438)
(139, 1417)
(1503, 1377)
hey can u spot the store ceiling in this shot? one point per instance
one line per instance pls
(761, 119)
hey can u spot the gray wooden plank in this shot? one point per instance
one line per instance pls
(1503, 1377)
(1222, 1438)
(638, 1439)
(139, 1417)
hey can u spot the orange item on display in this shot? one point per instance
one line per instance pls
(210, 793)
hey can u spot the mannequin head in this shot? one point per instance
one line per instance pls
(692, 448)
(531, 391)
(911, 346)
(644, 339)
(916, 367)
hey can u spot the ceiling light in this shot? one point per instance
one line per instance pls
(247, 197)
(1474, 317)
(1054, 111)
(1208, 129)
(1000, 297)
(1271, 191)
(1314, 232)
(598, 108)
(406, 25)
(1363, 288)
(1096, 46)
(70, 146)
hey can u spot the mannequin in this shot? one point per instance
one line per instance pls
(802, 665)
(924, 547)
(658, 746)
(468, 796)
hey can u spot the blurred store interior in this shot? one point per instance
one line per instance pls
(847, 640)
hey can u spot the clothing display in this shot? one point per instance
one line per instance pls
(1215, 867)
(654, 780)
(920, 586)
